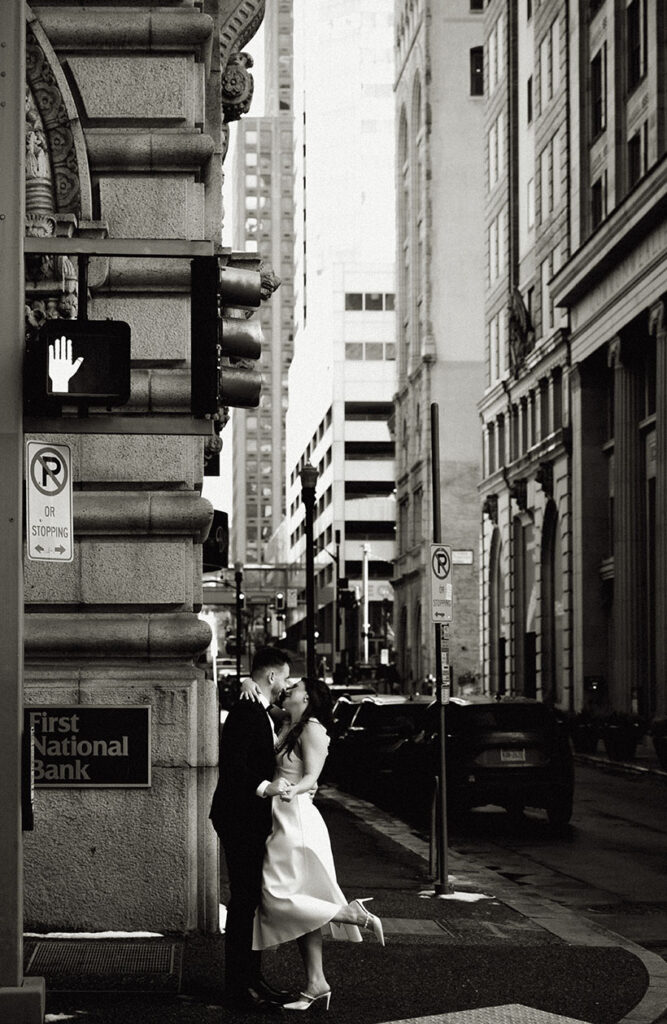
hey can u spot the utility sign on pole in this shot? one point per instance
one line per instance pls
(441, 583)
(49, 502)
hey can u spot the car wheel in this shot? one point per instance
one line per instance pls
(559, 810)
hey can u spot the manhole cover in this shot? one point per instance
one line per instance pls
(109, 965)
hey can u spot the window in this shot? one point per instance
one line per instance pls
(550, 64)
(547, 307)
(529, 100)
(598, 201)
(477, 71)
(493, 155)
(476, 5)
(530, 203)
(636, 41)
(353, 301)
(546, 183)
(494, 362)
(354, 350)
(493, 250)
(599, 91)
(529, 9)
(373, 300)
(634, 159)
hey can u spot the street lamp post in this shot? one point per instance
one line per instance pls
(308, 483)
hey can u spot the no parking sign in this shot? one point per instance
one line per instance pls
(49, 502)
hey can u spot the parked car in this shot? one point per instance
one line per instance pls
(352, 690)
(362, 751)
(510, 751)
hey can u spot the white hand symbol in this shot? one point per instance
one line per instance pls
(61, 367)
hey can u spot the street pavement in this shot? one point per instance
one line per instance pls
(489, 951)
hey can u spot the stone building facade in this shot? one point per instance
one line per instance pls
(572, 592)
(439, 320)
(125, 138)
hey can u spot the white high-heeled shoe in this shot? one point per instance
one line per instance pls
(370, 920)
(306, 1001)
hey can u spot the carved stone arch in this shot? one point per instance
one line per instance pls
(58, 185)
(237, 84)
(50, 102)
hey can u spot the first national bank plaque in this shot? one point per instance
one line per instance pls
(89, 745)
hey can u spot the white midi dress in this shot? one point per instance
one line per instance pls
(300, 892)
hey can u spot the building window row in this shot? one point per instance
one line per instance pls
(533, 418)
(324, 425)
(370, 350)
(370, 301)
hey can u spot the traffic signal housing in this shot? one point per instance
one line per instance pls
(225, 342)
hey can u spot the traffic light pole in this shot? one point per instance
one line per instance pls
(442, 880)
(21, 999)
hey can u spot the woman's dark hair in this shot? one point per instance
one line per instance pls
(319, 706)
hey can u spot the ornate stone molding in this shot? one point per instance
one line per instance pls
(490, 507)
(53, 193)
(240, 24)
(53, 150)
(519, 492)
(545, 478)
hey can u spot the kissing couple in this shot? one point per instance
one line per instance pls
(282, 878)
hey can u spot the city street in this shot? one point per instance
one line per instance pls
(609, 865)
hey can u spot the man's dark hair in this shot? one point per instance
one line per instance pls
(269, 657)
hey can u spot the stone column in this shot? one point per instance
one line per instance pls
(628, 566)
(658, 327)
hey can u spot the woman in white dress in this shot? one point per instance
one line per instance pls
(300, 893)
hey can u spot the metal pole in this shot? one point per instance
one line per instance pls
(20, 998)
(441, 883)
(308, 484)
(365, 549)
(238, 580)
(336, 657)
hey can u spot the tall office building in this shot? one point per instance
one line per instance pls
(575, 411)
(440, 323)
(262, 222)
(342, 376)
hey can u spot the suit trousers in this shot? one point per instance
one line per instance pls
(244, 854)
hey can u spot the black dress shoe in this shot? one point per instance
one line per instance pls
(250, 1001)
(272, 994)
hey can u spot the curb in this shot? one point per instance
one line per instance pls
(628, 767)
(539, 909)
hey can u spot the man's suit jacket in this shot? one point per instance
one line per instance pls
(246, 758)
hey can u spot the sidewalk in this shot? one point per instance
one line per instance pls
(444, 956)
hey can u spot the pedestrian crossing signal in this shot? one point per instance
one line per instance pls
(77, 362)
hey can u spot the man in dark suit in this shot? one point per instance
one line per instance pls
(241, 815)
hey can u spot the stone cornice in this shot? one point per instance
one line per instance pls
(146, 512)
(75, 29)
(88, 635)
(632, 220)
(183, 152)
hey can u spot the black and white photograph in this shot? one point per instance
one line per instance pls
(333, 547)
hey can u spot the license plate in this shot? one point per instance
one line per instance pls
(513, 756)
